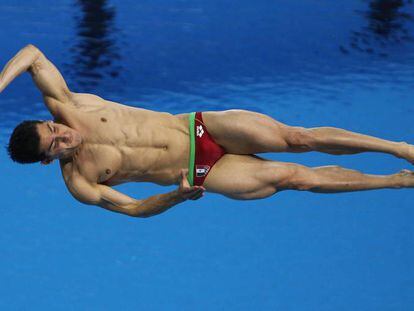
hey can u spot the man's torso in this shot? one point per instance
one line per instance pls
(123, 144)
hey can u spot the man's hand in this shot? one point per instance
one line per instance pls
(188, 192)
(18, 64)
(45, 75)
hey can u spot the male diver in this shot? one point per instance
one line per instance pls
(100, 143)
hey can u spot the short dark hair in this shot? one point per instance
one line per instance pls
(24, 143)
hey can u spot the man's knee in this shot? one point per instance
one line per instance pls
(282, 176)
(299, 138)
(298, 177)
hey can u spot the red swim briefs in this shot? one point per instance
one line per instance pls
(204, 151)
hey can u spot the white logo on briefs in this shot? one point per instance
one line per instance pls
(202, 170)
(200, 131)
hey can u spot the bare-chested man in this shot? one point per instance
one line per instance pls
(100, 143)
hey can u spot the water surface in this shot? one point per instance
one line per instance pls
(348, 64)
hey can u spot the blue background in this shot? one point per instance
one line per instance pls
(348, 64)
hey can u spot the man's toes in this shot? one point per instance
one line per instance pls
(405, 172)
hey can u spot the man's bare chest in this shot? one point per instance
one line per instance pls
(125, 144)
(113, 164)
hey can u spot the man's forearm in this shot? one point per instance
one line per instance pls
(20, 63)
(158, 203)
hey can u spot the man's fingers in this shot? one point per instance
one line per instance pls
(193, 188)
(187, 191)
(184, 180)
(192, 192)
(196, 194)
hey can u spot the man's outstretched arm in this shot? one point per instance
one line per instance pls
(45, 75)
(115, 201)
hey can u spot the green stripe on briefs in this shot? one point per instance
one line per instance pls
(192, 149)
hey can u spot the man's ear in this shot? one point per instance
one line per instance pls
(46, 161)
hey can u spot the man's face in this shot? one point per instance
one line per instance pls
(57, 141)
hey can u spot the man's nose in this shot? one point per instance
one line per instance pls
(63, 137)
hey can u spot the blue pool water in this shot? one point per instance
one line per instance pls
(348, 64)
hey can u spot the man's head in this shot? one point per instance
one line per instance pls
(34, 141)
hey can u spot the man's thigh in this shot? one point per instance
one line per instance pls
(245, 132)
(245, 176)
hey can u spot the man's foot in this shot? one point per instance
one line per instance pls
(406, 152)
(405, 178)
